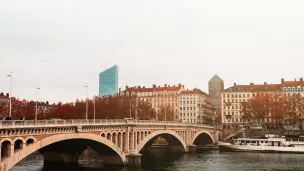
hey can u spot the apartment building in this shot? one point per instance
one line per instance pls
(196, 107)
(233, 97)
(158, 96)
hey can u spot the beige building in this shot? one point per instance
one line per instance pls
(233, 97)
(158, 96)
(195, 107)
(292, 88)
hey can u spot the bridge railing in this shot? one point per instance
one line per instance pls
(58, 122)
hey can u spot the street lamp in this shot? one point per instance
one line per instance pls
(94, 109)
(10, 107)
(37, 88)
(165, 109)
(87, 86)
(136, 105)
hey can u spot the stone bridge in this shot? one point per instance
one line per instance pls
(118, 142)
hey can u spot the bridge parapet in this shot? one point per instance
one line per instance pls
(47, 123)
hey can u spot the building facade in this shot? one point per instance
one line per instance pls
(108, 82)
(292, 88)
(216, 86)
(233, 97)
(196, 107)
(158, 96)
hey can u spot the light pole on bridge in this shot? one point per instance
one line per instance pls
(94, 109)
(87, 86)
(37, 88)
(10, 95)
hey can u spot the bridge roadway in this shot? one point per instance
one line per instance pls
(118, 142)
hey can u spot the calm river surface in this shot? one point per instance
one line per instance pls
(210, 160)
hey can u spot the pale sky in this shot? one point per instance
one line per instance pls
(60, 45)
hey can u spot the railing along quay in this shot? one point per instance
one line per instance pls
(83, 122)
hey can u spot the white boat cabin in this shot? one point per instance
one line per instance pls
(271, 140)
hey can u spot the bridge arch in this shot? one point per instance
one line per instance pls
(6, 139)
(48, 141)
(201, 135)
(169, 135)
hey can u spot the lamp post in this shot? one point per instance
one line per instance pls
(87, 86)
(94, 110)
(165, 110)
(136, 105)
(11, 88)
(130, 100)
(37, 88)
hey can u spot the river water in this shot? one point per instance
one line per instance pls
(205, 161)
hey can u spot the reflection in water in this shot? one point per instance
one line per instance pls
(207, 161)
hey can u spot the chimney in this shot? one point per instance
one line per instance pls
(179, 85)
(234, 84)
(138, 87)
(127, 87)
(144, 87)
(165, 85)
(154, 86)
(119, 90)
(301, 80)
(251, 84)
(7, 94)
(282, 80)
(168, 85)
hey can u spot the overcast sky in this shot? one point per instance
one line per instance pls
(60, 45)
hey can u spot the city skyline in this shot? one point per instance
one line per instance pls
(44, 45)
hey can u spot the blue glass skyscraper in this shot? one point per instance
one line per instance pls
(108, 81)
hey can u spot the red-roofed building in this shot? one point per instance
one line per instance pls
(196, 107)
(232, 98)
(292, 88)
(158, 96)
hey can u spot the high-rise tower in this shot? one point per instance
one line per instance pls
(108, 82)
(216, 86)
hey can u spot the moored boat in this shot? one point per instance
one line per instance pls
(271, 143)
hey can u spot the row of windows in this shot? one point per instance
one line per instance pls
(182, 97)
(156, 94)
(291, 95)
(235, 95)
(243, 120)
(169, 99)
(235, 100)
(299, 88)
(187, 114)
(187, 108)
(232, 113)
(162, 104)
(186, 102)
(232, 107)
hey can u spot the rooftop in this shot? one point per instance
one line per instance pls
(154, 88)
(215, 78)
(194, 91)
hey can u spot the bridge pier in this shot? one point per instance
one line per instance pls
(192, 149)
(133, 160)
